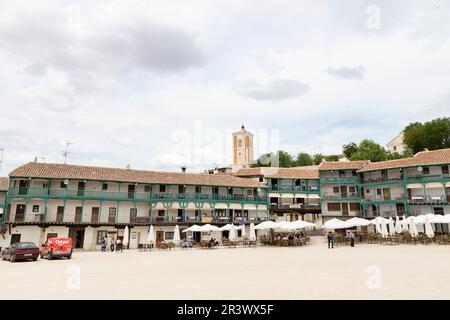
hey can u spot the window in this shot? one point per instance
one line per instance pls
(215, 190)
(101, 235)
(35, 208)
(334, 207)
(250, 193)
(133, 212)
(354, 206)
(198, 189)
(169, 235)
(438, 210)
(161, 213)
(162, 188)
(180, 212)
(220, 212)
(354, 173)
(181, 189)
(45, 185)
(351, 189)
(426, 170)
(445, 169)
(261, 179)
(378, 192)
(335, 189)
(112, 215)
(63, 185)
(240, 143)
(146, 188)
(245, 213)
(230, 191)
(197, 213)
(297, 182)
(104, 186)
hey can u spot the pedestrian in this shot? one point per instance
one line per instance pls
(103, 245)
(330, 238)
(112, 244)
(119, 246)
(351, 235)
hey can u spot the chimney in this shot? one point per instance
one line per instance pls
(35, 159)
(183, 169)
(128, 167)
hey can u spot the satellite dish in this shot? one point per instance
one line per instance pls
(420, 169)
(66, 182)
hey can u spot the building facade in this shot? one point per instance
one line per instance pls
(90, 203)
(242, 149)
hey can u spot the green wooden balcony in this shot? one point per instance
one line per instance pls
(429, 177)
(295, 189)
(340, 180)
(68, 194)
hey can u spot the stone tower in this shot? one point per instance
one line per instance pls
(242, 148)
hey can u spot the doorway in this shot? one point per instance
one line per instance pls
(15, 238)
(343, 191)
(159, 236)
(77, 235)
(345, 209)
(20, 213)
(78, 214)
(59, 214)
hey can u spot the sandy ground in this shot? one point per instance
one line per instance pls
(311, 272)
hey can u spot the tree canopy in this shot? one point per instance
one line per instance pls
(431, 135)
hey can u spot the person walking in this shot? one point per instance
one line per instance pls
(112, 244)
(119, 246)
(351, 235)
(330, 238)
(103, 245)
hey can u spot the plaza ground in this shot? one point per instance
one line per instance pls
(311, 272)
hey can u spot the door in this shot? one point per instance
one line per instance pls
(20, 213)
(94, 214)
(59, 214)
(81, 187)
(409, 194)
(343, 191)
(131, 190)
(77, 235)
(23, 187)
(78, 214)
(159, 236)
(400, 209)
(15, 238)
(386, 194)
(345, 209)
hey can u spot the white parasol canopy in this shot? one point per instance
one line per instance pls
(252, 233)
(151, 236)
(412, 227)
(335, 224)
(126, 235)
(428, 228)
(232, 234)
(193, 228)
(227, 227)
(208, 227)
(300, 224)
(391, 227)
(266, 225)
(384, 230)
(176, 235)
(358, 222)
(398, 226)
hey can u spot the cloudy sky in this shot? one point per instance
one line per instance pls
(159, 83)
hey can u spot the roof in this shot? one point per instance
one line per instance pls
(423, 158)
(342, 165)
(64, 171)
(400, 135)
(4, 182)
(306, 172)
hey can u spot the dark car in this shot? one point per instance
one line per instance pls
(21, 251)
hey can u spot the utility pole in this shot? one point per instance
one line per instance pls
(66, 152)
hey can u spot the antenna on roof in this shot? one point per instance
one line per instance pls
(66, 152)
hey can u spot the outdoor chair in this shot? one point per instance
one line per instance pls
(440, 239)
(285, 242)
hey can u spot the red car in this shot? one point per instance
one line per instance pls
(21, 251)
(57, 247)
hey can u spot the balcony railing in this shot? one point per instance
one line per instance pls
(130, 196)
(422, 199)
(39, 218)
(293, 188)
(350, 195)
(383, 199)
(428, 177)
(382, 180)
(340, 180)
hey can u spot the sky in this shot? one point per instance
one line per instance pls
(158, 84)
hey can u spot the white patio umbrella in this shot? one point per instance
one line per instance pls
(358, 222)
(428, 228)
(286, 226)
(404, 223)
(252, 233)
(335, 224)
(151, 236)
(412, 227)
(266, 225)
(300, 224)
(391, 227)
(125, 237)
(208, 228)
(227, 227)
(384, 230)
(193, 228)
(232, 234)
(398, 226)
(176, 235)
(243, 233)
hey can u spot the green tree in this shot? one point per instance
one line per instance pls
(396, 155)
(349, 149)
(280, 159)
(434, 134)
(369, 150)
(333, 157)
(317, 159)
(303, 159)
(284, 159)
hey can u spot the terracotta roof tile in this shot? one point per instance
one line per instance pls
(62, 171)
(4, 182)
(306, 172)
(342, 165)
(423, 158)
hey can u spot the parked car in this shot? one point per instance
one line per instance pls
(21, 251)
(56, 248)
